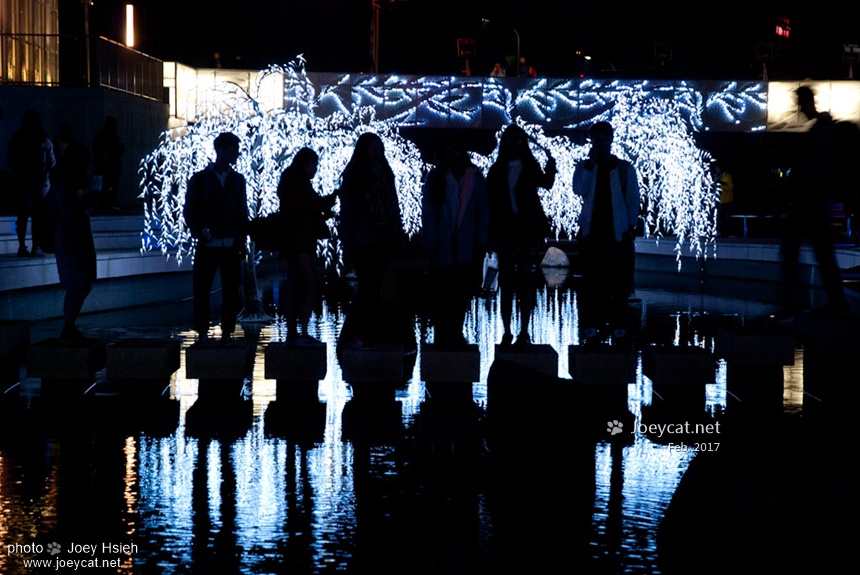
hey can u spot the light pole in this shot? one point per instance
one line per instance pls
(86, 5)
(518, 51)
(374, 35)
(487, 21)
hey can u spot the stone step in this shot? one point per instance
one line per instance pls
(51, 359)
(142, 359)
(439, 364)
(541, 358)
(603, 364)
(383, 364)
(285, 362)
(109, 232)
(212, 360)
(14, 338)
(670, 365)
(108, 240)
(65, 369)
(754, 346)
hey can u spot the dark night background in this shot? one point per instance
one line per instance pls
(419, 36)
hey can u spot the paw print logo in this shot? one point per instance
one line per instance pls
(53, 548)
(614, 427)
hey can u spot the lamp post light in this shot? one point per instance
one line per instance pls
(129, 25)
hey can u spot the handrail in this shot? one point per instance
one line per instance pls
(61, 60)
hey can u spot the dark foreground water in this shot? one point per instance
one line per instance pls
(404, 479)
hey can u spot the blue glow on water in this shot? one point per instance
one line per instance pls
(262, 498)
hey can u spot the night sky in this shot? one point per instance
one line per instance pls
(419, 36)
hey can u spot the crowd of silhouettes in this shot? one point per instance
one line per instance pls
(465, 216)
(55, 190)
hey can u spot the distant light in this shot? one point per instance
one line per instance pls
(783, 27)
(587, 57)
(129, 25)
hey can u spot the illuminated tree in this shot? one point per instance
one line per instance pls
(677, 198)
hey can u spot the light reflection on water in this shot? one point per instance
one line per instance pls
(261, 498)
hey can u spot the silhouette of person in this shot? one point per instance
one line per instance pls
(31, 157)
(304, 213)
(107, 159)
(518, 226)
(216, 212)
(812, 188)
(498, 71)
(455, 224)
(71, 200)
(526, 69)
(371, 230)
(62, 140)
(609, 191)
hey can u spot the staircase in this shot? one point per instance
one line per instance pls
(29, 286)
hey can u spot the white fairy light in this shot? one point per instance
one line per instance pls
(268, 143)
(651, 131)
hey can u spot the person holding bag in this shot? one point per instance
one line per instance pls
(303, 214)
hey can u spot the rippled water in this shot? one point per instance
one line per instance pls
(404, 482)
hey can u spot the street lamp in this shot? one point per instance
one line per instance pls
(129, 25)
(86, 4)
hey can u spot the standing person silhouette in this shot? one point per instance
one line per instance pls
(455, 219)
(813, 185)
(31, 158)
(71, 200)
(609, 191)
(216, 212)
(304, 213)
(518, 226)
(371, 231)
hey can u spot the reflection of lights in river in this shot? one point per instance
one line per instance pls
(283, 487)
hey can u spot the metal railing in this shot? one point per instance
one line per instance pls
(130, 71)
(30, 59)
(70, 60)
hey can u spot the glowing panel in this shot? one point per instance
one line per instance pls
(841, 99)
(129, 25)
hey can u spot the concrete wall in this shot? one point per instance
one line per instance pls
(141, 122)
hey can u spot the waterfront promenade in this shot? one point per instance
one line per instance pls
(29, 290)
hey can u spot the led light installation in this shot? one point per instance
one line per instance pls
(653, 126)
(269, 140)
